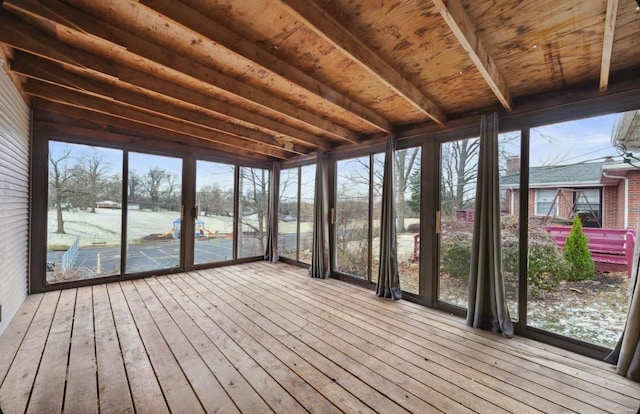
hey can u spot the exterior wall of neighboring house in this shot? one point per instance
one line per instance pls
(634, 198)
(512, 202)
(613, 212)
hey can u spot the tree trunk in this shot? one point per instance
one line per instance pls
(460, 178)
(60, 229)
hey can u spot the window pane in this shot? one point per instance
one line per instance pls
(288, 215)
(307, 196)
(378, 172)
(546, 202)
(214, 227)
(153, 212)
(458, 176)
(580, 292)
(408, 216)
(84, 223)
(253, 213)
(509, 158)
(352, 216)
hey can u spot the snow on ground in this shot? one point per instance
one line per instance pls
(104, 225)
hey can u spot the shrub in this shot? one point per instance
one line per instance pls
(576, 251)
(456, 256)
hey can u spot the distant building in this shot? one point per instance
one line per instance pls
(606, 194)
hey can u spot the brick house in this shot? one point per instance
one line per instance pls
(606, 193)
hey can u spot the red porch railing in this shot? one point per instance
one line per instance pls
(605, 245)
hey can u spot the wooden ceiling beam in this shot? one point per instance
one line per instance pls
(25, 38)
(78, 27)
(607, 43)
(329, 29)
(124, 126)
(30, 67)
(60, 131)
(463, 29)
(229, 46)
(68, 97)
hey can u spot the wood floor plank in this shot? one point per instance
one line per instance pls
(14, 334)
(532, 372)
(246, 398)
(145, 389)
(581, 367)
(81, 394)
(395, 383)
(18, 383)
(48, 389)
(212, 395)
(113, 385)
(539, 374)
(178, 392)
(242, 359)
(451, 383)
(345, 390)
(266, 338)
(261, 348)
(452, 350)
(336, 370)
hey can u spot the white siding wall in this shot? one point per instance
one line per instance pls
(14, 198)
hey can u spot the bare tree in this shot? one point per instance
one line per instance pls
(151, 183)
(92, 179)
(60, 176)
(254, 195)
(134, 186)
(170, 194)
(405, 161)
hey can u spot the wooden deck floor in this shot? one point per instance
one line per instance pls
(266, 338)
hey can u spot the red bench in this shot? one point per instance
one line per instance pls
(606, 245)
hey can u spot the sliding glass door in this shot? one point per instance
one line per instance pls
(215, 195)
(84, 212)
(154, 213)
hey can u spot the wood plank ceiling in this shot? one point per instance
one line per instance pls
(277, 79)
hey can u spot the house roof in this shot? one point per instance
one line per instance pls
(278, 79)
(628, 131)
(582, 173)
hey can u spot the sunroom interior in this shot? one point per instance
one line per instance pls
(173, 173)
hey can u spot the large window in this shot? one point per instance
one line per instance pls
(215, 199)
(458, 177)
(288, 214)
(408, 190)
(253, 211)
(295, 227)
(118, 212)
(154, 219)
(84, 218)
(352, 216)
(581, 293)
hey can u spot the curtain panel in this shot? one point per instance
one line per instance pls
(487, 298)
(320, 238)
(388, 279)
(271, 250)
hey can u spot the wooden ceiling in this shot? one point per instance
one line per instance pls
(276, 79)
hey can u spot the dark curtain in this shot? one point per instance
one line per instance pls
(487, 298)
(388, 278)
(626, 355)
(320, 244)
(271, 250)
